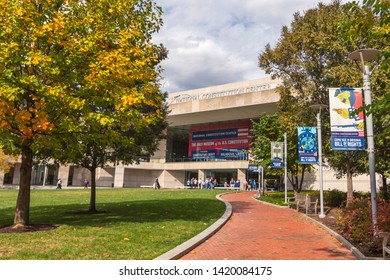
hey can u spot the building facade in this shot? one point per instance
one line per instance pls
(208, 137)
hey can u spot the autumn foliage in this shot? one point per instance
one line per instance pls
(68, 63)
(356, 222)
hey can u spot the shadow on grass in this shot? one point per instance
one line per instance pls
(112, 213)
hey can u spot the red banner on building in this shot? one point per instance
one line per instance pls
(219, 141)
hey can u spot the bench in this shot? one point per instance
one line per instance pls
(303, 201)
(296, 199)
(385, 243)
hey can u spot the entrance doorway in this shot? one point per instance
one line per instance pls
(222, 176)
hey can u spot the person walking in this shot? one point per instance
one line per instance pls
(237, 184)
(59, 184)
(200, 183)
(156, 184)
(232, 183)
(86, 182)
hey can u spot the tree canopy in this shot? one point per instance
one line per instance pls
(311, 57)
(270, 128)
(369, 25)
(68, 65)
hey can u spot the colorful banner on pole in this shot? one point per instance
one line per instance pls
(347, 126)
(307, 145)
(277, 155)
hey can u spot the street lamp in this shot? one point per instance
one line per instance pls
(367, 55)
(285, 168)
(260, 179)
(319, 107)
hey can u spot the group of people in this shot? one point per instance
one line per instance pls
(247, 185)
(211, 183)
(208, 183)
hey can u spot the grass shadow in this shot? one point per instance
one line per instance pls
(146, 211)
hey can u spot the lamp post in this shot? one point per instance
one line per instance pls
(260, 179)
(366, 55)
(319, 107)
(285, 168)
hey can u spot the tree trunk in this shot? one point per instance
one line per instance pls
(294, 182)
(384, 188)
(92, 202)
(22, 212)
(302, 177)
(349, 183)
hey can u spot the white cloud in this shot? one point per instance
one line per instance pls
(212, 42)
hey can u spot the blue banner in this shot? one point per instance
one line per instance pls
(253, 168)
(307, 145)
(277, 163)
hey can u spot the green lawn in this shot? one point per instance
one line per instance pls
(134, 224)
(276, 197)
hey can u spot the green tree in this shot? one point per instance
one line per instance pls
(60, 61)
(269, 128)
(121, 141)
(369, 25)
(310, 58)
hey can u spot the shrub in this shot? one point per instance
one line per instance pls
(335, 198)
(356, 222)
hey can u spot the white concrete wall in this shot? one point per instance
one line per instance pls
(105, 177)
(135, 178)
(361, 183)
(79, 175)
(63, 172)
(173, 179)
(1, 178)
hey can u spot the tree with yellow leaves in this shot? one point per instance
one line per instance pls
(72, 68)
(6, 161)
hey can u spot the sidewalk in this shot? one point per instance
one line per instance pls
(258, 231)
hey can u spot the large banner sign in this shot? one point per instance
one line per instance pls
(277, 155)
(347, 127)
(219, 141)
(307, 145)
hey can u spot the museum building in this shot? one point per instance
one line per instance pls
(208, 136)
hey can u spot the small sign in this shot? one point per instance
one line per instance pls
(277, 155)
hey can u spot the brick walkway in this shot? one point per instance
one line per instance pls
(259, 231)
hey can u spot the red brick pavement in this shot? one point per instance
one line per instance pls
(258, 231)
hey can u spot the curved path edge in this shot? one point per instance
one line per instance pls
(190, 244)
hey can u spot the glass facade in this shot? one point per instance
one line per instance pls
(177, 144)
(44, 175)
(8, 177)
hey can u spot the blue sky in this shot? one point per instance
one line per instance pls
(213, 42)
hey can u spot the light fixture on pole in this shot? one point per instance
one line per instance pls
(367, 55)
(319, 107)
